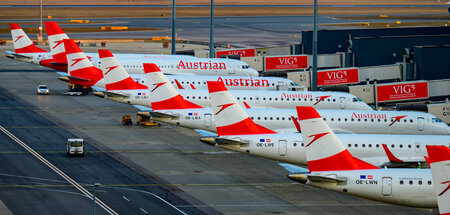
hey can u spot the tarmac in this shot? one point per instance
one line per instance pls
(136, 166)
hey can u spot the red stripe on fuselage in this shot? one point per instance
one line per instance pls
(340, 161)
(244, 127)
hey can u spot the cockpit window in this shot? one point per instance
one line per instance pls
(356, 99)
(245, 66)
(436, 120)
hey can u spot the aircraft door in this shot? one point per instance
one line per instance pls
(387, 186)
(342, 102)
(420, 123)
(282, 147)
(417, 145)
(208, 119)
(232, 69)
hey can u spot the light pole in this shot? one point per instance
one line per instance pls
(40, 22)
(93, 199)
(211, 31)
(173, 28)
(314, 73)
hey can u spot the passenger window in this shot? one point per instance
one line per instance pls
(429, 183)
(364, 145)
(410, 182)
(401, 182)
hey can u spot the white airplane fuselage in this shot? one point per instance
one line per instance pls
(231, 82)
(186, 66)
(289, 147)
(257, 99)
(341, 121)
(408, 187)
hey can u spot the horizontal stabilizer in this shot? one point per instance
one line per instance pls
(17, 56)
(325, 179)
(142, 108)
(162, 115)
(225, 141)
(56, 63)
(116, 94)
(74, 78)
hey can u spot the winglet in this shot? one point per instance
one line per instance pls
(439, 157)
(324, 151)
(230, 117)
(389, 154)
(297, 125)
(178, 84)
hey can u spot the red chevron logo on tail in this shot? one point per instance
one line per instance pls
(316, 137)
(224, 107)
(158, 85)
(446, 189)
(59, 42)
(19, 37)
(110, 68)
(75, 61)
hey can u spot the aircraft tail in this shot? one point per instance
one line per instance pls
(230, 117)
(55, 38)
(21, 41)
(115, 76)
(324, 151)
(163, 95)
(439, 157)
(80, 66)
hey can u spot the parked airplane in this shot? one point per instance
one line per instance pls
(249, 98)
(439, 158)
(175, 111)
(24, 48)
(237, 131)
(331, 166)
(58, 60)
(169, 64)
(198, 81)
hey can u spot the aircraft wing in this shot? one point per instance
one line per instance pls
(325, 179)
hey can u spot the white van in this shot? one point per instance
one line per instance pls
(75, 146)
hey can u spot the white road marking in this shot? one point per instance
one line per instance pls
(125, 198)
(58, 171)
(143, 210)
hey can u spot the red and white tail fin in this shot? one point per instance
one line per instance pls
(439, 157)
(324, 151)
(230, 117)
(55, 39)
(163, 95)
(114, 75)
(79, 66)
(22, 43)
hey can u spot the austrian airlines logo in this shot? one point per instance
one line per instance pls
(158, 85)
(396, 118)
(59, 42)
(448, 187)
(321, 98)
(19, 37)
(110, 68)
(316, 137)
(75, 61)
(223, 107)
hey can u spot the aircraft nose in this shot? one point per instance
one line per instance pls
(254, 73)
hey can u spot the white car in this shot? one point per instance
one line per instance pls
(75, 146)
(43, 90)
